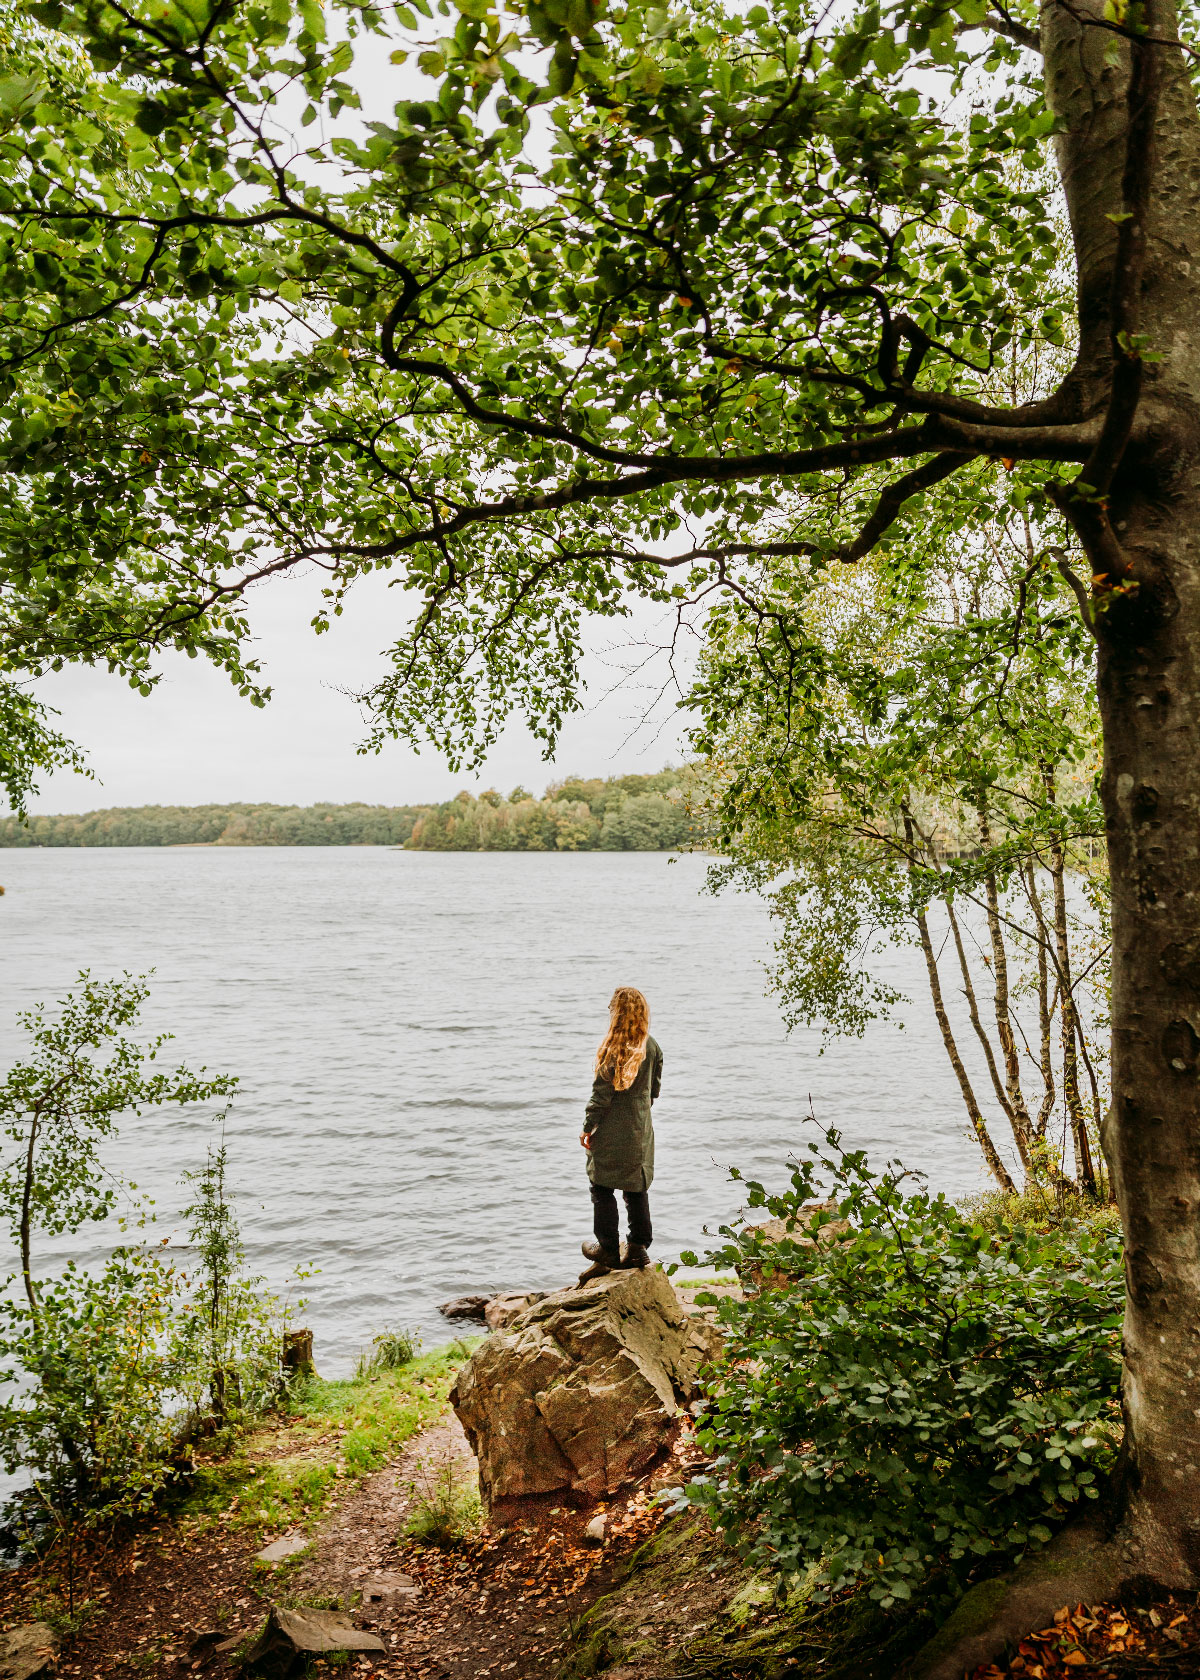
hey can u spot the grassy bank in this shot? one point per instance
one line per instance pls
(285, 1471)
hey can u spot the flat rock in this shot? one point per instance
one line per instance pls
(388, 1584)
(465, 1306)
(503, 1310)
(290, 1637)
(29, 1652)
(288, 1546)
(580, 1389)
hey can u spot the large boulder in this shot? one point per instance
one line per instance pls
(580, 1390)
(501, 1310)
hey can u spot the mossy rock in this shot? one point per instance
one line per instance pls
(599, 1648)
(715, 1619)
(759, 1590)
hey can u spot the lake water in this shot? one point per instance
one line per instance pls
(414, 1034)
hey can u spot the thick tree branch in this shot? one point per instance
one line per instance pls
(965, 442)
(898, 391)
(1003, 23)
(892, 499)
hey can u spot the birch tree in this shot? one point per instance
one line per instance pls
(934, 781)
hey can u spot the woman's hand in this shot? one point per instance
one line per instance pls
(585, 1140)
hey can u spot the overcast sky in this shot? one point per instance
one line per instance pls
(194, 741)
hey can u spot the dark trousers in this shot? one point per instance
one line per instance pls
(607, 1224)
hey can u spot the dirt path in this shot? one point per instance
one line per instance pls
(501, 1605)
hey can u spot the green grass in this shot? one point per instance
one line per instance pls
(283, 1472)
(389, 1351)
(690, 1281)
(446, 1506)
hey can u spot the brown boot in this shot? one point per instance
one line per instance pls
(602, 1260)
(634, 1258)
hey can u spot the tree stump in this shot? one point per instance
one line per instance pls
(297, 1353)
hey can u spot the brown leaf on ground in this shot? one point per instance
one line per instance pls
(1113, 1641)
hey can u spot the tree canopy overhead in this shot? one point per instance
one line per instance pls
(653, 299)
(512, 340)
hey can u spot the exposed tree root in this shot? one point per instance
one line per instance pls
(1082, 1565)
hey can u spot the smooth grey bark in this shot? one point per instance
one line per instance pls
(1128, 136)
(1147, 623)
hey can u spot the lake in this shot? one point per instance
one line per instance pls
(414, 1033)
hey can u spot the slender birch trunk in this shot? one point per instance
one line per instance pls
(975, 1114)
(1045, 1006)
(1020, 1137)
(1018, 1111)
(978, 1125)
(1084, 1170)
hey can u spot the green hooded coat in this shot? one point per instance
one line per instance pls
(620, 1127)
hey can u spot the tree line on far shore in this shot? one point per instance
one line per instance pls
(617, 814)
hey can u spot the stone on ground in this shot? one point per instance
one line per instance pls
(581, 1389)
(29, 1652)
(388, 1584)
(286, 1547)
(290, 1637)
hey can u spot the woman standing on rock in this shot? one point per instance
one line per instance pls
(618, 1134)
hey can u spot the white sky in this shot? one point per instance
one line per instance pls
(195, 741)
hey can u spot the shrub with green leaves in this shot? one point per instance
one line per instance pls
(917, 1396)
(91, 1424)
(226, 1335)
(84, 1359)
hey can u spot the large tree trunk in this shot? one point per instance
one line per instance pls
(1148, 632)
(1142, 537)
(1150, 702)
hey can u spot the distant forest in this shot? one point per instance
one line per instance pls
(620, 814)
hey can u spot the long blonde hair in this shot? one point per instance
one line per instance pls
(623, 1049)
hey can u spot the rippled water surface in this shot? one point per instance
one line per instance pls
(414, 1034)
